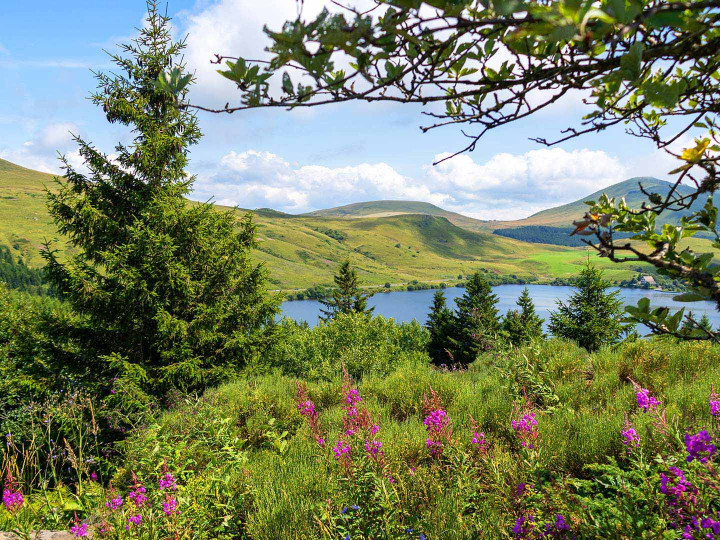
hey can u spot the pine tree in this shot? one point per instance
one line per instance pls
(166, 288)
(523, 325)
(346, 298)
(477, 325)
(592, 315)
(440, 324)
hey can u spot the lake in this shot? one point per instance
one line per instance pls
(404, 306)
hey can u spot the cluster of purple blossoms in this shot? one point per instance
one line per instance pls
(170, 506)
(645, 401)
(79, 529)
(630, 437)
(114, 503)
(374, 449)
(307, 409)
(12, 496)
(437, 424)
(699, 446)
(524, 428)
(167, 481)
(343, 452)
(714, 403)
(479, 442)
(137, 496)
(523, 526)
(134, 520)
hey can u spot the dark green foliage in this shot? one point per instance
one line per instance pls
(523, 325)
(166, 290)
(440, 325)
(17, 275)
(477, 325)
(346, 298)
(592, 315)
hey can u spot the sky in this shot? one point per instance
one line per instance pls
(293, 161)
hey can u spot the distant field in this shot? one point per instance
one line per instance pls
(303, 251)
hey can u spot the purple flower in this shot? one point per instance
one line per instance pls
(342, 451)
(353, 396)
(714, 407)
(13, 500)
(167, 481)
(170, 506)
(374, 449)
(306, 408)
(133, 520)
(79, 530)
(698, 446)
(560, 523)
(630, 437)
(437, 419)
(114, 503)
(645, 401)
(138, 496)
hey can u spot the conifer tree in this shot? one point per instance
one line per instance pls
(166, 290)
(592, 315)
(477, 324)
(346, 298)
(440, 324)
(523, 325)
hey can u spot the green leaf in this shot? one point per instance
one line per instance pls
(631, 61)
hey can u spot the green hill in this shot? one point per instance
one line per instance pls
(387, 241)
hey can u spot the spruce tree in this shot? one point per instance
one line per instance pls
(440, 325)
(523, 325)
(346, 298)
(592, 315)
(477, 325)
(165, 288)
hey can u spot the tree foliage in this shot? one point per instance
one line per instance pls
(166, 291)
(477, 325)
(346, 297)
(440, 324)
(522, 325)
(592, 315)
(649, 65)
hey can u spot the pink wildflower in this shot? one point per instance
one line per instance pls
(134, 520)
(79, 529)
(170, 506)
(167, 481)
(645, 401)
(12, 496)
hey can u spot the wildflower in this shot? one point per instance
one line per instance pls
(170, 506)
(374, 430)
(524, 428)
(353, 396)
(344, 510)
(12, 496)
(79, 529)
(114, 503)
(307, 409)
(167, 481)
(698, 446)
(478, 440)
(138, 496)
(341, 449)
(134, 520)
(374, 449)
(437, 425)
(630, 437)
(645, 401)
(560, 523)
(523, 527)
(93, 476)
(714, 400)
(676, 484)
(712, 524)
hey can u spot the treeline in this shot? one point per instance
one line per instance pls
(542, 234)
(19, 276)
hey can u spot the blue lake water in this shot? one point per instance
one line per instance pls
(404, 306)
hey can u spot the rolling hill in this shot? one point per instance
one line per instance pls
(387, 241)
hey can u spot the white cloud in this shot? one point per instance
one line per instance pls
(41, 151)
(507, 186)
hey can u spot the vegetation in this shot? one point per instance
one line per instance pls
(591, 316)
(440, 326)
(17, 275)
(521, 326)
(346, 298)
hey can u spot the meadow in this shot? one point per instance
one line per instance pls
(347, 431)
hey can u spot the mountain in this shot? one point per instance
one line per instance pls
(553, 226)
(417, 242)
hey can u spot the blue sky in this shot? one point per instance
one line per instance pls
(292, 161)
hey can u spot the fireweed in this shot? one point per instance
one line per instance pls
(437, 424)
(524, 425)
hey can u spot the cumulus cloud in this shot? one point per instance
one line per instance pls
(41, 151)
(507, 186)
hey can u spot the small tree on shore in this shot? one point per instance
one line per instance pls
(523, 325)
(347, 297)
(477, 325)
(440, 325)
(592, 315)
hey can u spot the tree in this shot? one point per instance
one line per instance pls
(651, 65)
(477, 325)
(346, 298)
(440, 324)
(523, 325)
(165, 288)
(592, 315)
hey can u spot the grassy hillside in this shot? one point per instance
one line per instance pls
(410, 241)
